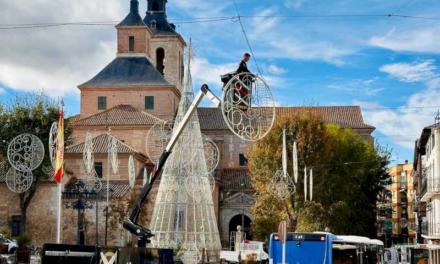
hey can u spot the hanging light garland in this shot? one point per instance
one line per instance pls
(281, 184)
(295, 161)
(131, 171)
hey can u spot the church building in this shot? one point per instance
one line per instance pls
(139, 88)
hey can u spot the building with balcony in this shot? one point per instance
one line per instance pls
(427, 182)
(402, 204)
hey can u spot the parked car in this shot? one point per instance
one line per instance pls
(10, 243)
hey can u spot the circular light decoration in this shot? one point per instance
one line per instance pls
(131, 172)
(53, 142)
(157, 139)
(282, 185)
(113, 152)
(212, 154)
(25, 152)
(248, 107)
(88, 157)
(19, 181)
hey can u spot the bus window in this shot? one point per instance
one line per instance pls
(344, 254)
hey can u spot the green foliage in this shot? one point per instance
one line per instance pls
(5, 231)
(312, 217)
(348, 173)
(24, 241)
(33, 114)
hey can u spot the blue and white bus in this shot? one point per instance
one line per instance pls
(326, 248)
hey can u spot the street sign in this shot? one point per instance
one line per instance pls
(282, 231)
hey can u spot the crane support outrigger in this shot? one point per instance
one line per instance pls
(131, 223)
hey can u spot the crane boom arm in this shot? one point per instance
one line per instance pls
(131, 223)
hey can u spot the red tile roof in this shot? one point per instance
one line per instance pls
(119, 115)
(101, 145)
(344, 116)
(212, 119)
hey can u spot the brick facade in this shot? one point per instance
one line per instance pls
(166, 99)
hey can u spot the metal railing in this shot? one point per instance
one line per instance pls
(431, 229)
(430, 186)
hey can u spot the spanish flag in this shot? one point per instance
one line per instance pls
(59, 156)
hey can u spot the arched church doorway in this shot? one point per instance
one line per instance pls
(240, 220)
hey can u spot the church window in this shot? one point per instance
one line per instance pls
(98, 169)
(243, 160)
(155, 6)
(153, 24)
(131, 44)
(149, 102)
(16, 225)
(182, 67)
(160, 58)
(102, 102)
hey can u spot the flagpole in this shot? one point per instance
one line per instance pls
(60, 166)
(59, 214)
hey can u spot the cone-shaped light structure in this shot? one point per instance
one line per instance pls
(183, 216)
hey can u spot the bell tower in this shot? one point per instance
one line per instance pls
(157, 6)
(166, 45)
(133, 33)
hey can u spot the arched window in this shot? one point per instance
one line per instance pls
(160, 58)
(155, 6)
(153, 24)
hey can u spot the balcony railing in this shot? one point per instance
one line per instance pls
(430, 187)
(431, 229)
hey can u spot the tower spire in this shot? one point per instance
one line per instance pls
(134, 6)
(133, 18)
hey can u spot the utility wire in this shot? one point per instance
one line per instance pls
(246, 37)
(401, 107)
(194, 20)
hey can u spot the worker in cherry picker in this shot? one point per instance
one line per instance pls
(243, 64)
(243, 90)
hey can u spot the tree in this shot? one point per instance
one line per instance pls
(347, 178)
(33, 114)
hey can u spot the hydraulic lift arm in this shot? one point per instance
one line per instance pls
(131, 223)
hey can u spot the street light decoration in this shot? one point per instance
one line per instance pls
(212, 154)
(158, 137)
(113, 152)
(88, 156)
(183, 217)
(131, 171)
(19, 181)
(281, 184)
(248, 107)
(295, 161)
(53, 133)
(25, 152)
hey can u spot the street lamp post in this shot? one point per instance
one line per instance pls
(82, 197)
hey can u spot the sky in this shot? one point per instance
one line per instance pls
(310, 52)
